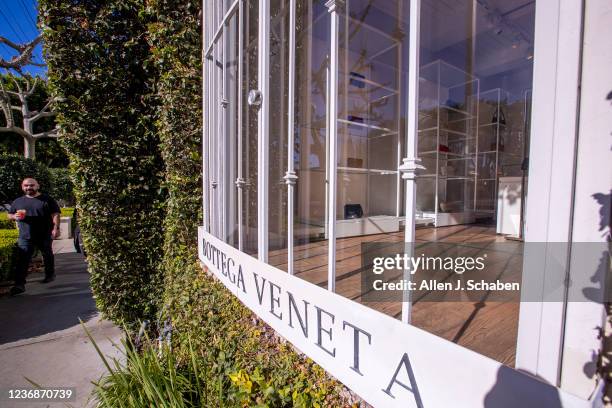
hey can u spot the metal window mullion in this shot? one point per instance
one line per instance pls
(263, 129)
(240, 176)
(224, 21)
(333, 7)
(220, 127)
(214, 110)
(410, 165)
(398, 180)
(437, 182)
(327, 138)
(205, 126)
(248, 134)
(398, 155)
(290, 176)
(233, 132)
(224, 137)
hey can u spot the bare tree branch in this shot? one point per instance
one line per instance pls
(16, 47)
(31, 90)
(51, 134)
(5, 105)
(24, 53)
(15, 129)
(29, 117)
(17, 85)
(43, 113)
(40, 115)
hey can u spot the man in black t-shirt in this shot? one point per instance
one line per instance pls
(38, 219)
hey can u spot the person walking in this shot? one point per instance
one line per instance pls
(38, 219)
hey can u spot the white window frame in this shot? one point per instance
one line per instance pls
(558, 29)
(551, 180)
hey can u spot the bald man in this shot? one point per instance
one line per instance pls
(38, 219)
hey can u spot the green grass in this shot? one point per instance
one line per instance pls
(149, 378)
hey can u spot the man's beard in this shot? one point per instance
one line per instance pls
(30, 192)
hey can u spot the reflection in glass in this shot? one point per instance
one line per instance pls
(476, 68)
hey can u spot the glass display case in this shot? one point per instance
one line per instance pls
(447, 140)
(369, 112)
(500, 145)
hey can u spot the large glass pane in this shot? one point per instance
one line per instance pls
(476, 70)
(371, 80)
(217, 123)
(279, 85)
(231, 106)
(249, 128)
(310, 147)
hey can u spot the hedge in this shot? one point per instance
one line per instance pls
(13, 169)
(8, 242)
(130, 118)
(244, 362)
(5, 222)
(61, 190)
(96, 53)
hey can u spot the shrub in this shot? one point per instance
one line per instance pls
(5, 223)
(150, 378)
(62, 190)
(243, 362)
(96, 56)
(13, 169)
(8, 242)
(67, 211)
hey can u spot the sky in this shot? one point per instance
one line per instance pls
(18, 24)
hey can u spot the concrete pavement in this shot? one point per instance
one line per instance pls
(41, 337)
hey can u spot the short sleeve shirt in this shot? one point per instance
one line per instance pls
(38, 222)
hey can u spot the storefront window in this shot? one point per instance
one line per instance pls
(372, 59)
(475, 80)
(311, 140)
(474, 87)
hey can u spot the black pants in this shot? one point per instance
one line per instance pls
(25, 248)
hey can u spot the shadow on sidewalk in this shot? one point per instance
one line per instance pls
(48, 308)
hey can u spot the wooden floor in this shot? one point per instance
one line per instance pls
(486, 326)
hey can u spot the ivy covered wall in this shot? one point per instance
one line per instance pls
(132, 121)
(97, 55)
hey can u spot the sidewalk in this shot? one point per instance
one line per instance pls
(41, 337)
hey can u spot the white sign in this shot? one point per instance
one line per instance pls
(386, 362)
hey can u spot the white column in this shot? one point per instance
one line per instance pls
(558, 27)
(335, 7)
(263, 117)
(410, 163)
(590, 267)
(290, 176)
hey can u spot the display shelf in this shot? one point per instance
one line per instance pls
(448, 113)
(362, 170)
(365, 125)
(499, 119)
(369, 123)
(374, 83)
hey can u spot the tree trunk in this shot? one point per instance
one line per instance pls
(29, 148)
(29, 143)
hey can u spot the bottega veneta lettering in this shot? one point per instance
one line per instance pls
(289, 308)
